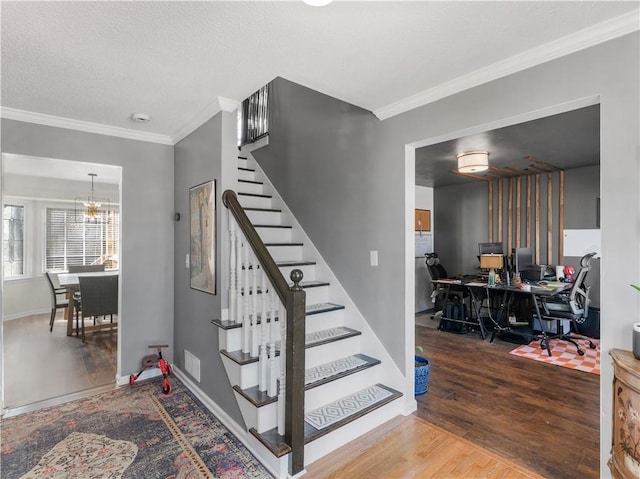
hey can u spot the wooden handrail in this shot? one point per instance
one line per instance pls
(294, 299)
(269, 266)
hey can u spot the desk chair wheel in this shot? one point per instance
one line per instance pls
(580, 352)
(591, 345)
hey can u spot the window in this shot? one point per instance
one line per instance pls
(70, 240)
(13, 241)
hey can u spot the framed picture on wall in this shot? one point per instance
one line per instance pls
(202, 259)
(423, 220)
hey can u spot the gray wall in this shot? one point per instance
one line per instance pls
(461, 221)
(146, 271)
(343, 175)
(199, 158)
(324, 159)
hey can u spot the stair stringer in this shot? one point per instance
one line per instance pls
(390, 372)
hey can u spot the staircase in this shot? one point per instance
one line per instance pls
(351, 385)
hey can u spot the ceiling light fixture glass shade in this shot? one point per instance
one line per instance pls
(91, 213)
(317, 3)
(473, 161)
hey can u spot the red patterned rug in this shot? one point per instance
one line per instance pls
(128, 433)
(564, 354)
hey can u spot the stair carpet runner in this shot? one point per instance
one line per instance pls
(345, 409)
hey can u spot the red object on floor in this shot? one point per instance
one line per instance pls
(564, 354)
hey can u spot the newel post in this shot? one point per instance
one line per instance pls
(295, 364)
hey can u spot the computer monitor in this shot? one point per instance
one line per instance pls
(490, 248)
(522, 258)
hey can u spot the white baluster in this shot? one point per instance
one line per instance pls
(255, 333)
(233, 294)
(283, 381)
(273, 335)
(262, 378)
(246, 331)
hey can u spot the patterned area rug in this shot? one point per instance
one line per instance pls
(564, 354)
(131, 432)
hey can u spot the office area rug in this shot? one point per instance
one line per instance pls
(130, 432)
(564, 354)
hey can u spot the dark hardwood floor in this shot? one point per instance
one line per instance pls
(40, 365)
(541, 416)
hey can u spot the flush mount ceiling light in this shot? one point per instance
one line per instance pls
(91, 213)
(317, 3)
(140, 117)
(473, 161)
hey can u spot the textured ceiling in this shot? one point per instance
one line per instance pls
(101, 61)
(565, 140)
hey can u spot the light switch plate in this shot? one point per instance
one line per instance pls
(373, 257)
(186, 260)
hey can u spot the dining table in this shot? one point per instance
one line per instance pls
(71, 282)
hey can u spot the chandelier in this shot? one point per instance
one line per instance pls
(91, 213)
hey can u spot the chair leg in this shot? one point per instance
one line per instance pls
(83, 329)
(52, 319)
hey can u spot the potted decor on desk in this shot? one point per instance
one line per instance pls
(423, 368)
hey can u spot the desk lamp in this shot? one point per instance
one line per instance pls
(491, 262)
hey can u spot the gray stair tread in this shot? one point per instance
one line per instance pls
(273, 226)
(312, 339)
(270, 210)
(251, 181)
(322, 308)
(311, 284)
(254, 194)
(310, 309)
(284, 264)
(275, 443)
(260, 398)
(283, 244)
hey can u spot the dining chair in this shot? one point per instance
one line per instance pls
(85, 268)
(58, 298)
(99, 298)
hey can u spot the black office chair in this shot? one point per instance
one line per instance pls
(437, 271)
(58, 299)
(573, 306)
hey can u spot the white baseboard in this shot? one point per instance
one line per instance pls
(146, 374)
(24, 314)
(243, 436)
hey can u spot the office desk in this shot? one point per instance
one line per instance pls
(475, 319)
(71, 283)
(534, 292)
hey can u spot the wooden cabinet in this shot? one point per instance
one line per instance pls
(625, 451)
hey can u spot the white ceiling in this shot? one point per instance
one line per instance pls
(99, 62)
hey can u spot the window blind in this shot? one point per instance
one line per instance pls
(13, 240)
(70, 240)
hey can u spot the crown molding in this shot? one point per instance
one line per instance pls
(204, 115)
(79, 125)
(588, 37)
(227, 104)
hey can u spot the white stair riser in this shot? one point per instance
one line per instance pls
(333, 351)
(254, 201)
(308, 272)
(317, 294)
(285, 253)
(274, 235)
(245, 375)
(326, 444)
(256, 188)
(262, 418)
(320, 321)
(317, 397)
(246, 175)
(265, 217)
(243, 163)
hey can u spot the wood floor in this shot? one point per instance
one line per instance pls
(41, 365)
(517, 413)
